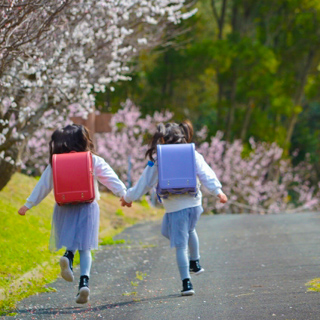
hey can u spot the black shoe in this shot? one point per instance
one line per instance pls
(195, 267)
(84, 291)
(187, 288)
(66, 263)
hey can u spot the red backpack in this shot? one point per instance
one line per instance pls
(73, 177)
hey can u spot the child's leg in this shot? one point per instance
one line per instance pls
(85, 267)
(66, 265)
(194, 245)
(183, 262)
(85, 262)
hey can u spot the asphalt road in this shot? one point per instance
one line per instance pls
(256, 267)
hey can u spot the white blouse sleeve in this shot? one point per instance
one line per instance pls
(42, 189)
(147, 181)
(105, 175)
(207, 176)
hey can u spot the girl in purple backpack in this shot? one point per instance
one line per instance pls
(75, 226)
(182, 211)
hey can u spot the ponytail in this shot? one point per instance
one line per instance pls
(187, 130)
(157, 138)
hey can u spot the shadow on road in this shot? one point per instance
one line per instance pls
(97, 308)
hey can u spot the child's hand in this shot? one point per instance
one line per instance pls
(124, 203)
(22, 211)
(223, 198)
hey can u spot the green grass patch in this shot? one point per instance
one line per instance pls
(119, 213)
(133, 293)
(314, 285)
(144, 203)
(149, 246)
(110, 241)
(140, 276)
(27, 265)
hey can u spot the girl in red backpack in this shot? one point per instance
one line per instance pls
(183, 210)
(76, 226)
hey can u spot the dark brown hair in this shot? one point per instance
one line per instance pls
(70, 138)
(171, 133)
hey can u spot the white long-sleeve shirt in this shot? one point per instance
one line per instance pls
(102, 173)
(149, 179)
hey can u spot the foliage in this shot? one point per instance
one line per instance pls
(314, 285)
(110, 241)
(246, 68)
(25, 251)
(262, 181)
(125, 146)
(256, 177)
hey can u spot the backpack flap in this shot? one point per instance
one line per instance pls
(177, 169)
(73, 177)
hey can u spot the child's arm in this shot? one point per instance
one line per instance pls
(209, 179)
(147, 181)
(108, 177)
(41, 190)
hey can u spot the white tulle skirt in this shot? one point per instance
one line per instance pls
(75, 227)
(177, 225)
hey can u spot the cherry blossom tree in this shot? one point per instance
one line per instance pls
(81, 47)
(125, 146)
(257, 180)
(26, 22)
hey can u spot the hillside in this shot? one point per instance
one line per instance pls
(26, 263)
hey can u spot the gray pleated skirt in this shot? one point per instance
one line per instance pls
(75, 227)
(177, 225)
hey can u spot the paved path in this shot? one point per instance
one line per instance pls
(256, 268)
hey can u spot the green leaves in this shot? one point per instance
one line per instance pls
(248, 76)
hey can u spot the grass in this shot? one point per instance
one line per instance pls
(140, 276)
(110, 241)
(26, 263)
(314, 285)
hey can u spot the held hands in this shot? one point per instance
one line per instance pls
(223, 198)
(22, 211)
(124, 203)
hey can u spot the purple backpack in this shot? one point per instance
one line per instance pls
(176, 169)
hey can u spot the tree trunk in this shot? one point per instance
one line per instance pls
(165, 78)
(232, 108)
(6, 172)
(219, 123)
(292, 123)
(299, 95)
(6, 168)
(11, 154)
(246, 121)
(220, 18)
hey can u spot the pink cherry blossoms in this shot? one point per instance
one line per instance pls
(126, 145)
(259, 181)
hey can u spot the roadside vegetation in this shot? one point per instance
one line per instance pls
(27, 265)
